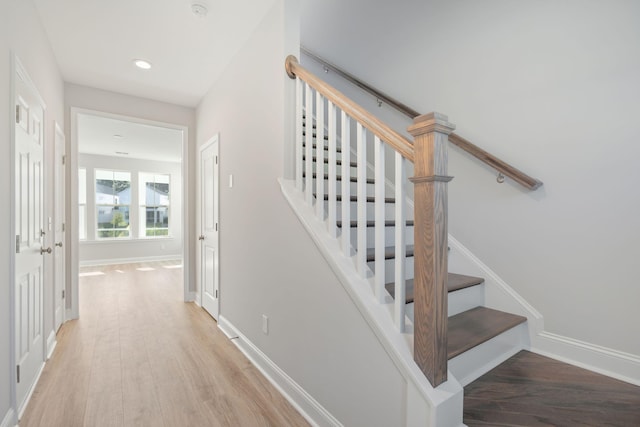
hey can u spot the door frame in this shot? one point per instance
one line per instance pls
(73, 232)
(58, 131)
(215, 139)
(18, 67)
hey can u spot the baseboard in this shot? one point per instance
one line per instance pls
(110, 261)
(9, 419)
(24, 404)
(51, 344)
(68, 315)
(308, 407)
(612, 363)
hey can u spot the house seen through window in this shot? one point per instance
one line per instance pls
(154, 205)
(113, 202)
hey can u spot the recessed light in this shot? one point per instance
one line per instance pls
(117, 136)
(122, 153)
(141, 63)
(199, 9)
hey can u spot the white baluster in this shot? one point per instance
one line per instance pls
(400, 290)
(332, 169)
(319, 156)
(308, 169)
(361, 258)
(379, 218)
(346, 184)
(299, 138)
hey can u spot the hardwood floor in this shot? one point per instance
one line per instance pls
(140, 356)
(533, 390)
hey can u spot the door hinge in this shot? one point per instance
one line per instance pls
(216, 294)
(216, 226)
(63, 226)
(17, 243)
(18, 372)
(63, 294)
(64, 159)
(216, 160)
(17, 113)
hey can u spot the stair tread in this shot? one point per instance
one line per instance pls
(353, 198)
(476, 326)
(326, 160)
(455, 282)
(387, 223)
(389, 252)
(339, 178)
(314, 135)
(326, 148)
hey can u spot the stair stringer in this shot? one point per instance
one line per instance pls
(424, 404)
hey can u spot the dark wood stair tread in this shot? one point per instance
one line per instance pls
(339, 178)
(389, 252)
(353, 198)
(326, 160)
(314, 135)
(325, 147)
(455, 282)
(387, 223)
(476, 326)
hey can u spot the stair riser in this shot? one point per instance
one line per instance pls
(352, 170)
(479, 360)
(459, 301)
(389, 211)
(389, 269)
(371, 188)
(389, 236)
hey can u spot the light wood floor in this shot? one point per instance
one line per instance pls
(140, 356)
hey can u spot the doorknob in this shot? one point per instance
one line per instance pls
(201, 237)
(59, 244)
(45, 251)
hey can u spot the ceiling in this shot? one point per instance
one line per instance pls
(96, 41)
(112, 137)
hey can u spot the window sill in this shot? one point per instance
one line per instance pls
(122, 241)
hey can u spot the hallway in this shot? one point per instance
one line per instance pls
(138, 355)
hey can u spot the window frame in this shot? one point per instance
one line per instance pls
(143, 206)
(114, 206)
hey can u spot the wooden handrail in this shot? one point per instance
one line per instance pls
(501, 166)
(368, 120)
(362, 85)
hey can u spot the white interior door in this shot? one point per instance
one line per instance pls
(59, 230)
(209, 241)
(29, 235)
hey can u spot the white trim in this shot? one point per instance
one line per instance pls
(498, 294)
(9, 419)
(613, 363)
(51, 344)
(446, 400)
(73, 264)
(131, 260)
(308, 407)
(30, 393)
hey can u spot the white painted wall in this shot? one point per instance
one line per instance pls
(115, 103)
(268, 263)
(554, 88)
(22, 33)
(103, 251)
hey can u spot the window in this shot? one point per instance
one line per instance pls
(113, 200)
(82, 203)
(154, 205)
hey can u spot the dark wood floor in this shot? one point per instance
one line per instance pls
(532, 390)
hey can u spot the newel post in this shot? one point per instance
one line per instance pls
(430, 132)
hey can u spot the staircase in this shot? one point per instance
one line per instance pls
(470, 323)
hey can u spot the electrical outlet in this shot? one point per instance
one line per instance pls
(265, 324)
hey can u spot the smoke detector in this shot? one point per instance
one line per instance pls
(199, 9)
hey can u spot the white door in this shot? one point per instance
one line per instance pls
(29, 235)
(209, 242)
(59, 230)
